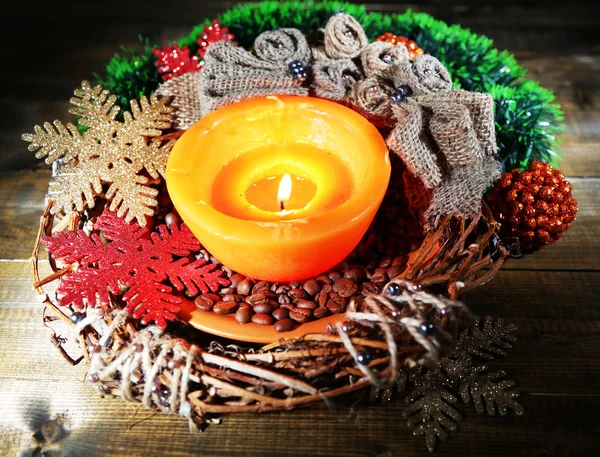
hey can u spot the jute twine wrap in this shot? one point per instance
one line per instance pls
(445, 137)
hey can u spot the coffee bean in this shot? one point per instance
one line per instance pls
(236, 279)
(244, 287)
(281, 313)
(400, 260)
(385, 262)
(334, 275)
(261, 286)
(284, 299)
(172, 218)
(300, 314)
(243, 315)
(368, 288)
(282, 290)
(225, 307)
(256, 299)
(342, 266)
(312, 287)
(245, 305)
(263, 308)
(284, 325)
(335, 307)
(322, 298)
(204, 303)
(320, 313)
(355, 274)
(379, 276)
(323, 279)
(263, 319)
(346, 287)
(414, 244)
(327, 288)
(228, 290)
(395, 270)
(233, 297)
(297, 294)
(212, 297)
(287, 306)
(294, 284)
(307, 304)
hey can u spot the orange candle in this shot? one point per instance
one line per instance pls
(279, 188)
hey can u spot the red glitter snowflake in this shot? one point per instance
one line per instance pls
(212, 34)
(175, 61)
(137, 260)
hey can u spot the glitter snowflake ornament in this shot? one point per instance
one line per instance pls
(111, 158)
(213, 34)
(175, 61)
(148, 265)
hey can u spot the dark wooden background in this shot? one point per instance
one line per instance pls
(552, 296)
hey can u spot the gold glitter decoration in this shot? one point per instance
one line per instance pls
(436, 388)
(109, 157)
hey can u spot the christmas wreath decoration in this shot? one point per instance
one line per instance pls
(454, 111)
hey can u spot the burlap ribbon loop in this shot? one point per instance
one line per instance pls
(371, 97)
(282, 47)
(334, 79)
(424, 75)
(380, 59)
(344, 37)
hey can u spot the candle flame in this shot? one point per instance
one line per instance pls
(285, 190)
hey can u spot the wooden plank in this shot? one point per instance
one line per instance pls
(552, 425)
(21, 205)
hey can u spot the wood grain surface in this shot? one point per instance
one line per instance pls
(552, 295)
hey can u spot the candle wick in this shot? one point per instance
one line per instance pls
(281, 205)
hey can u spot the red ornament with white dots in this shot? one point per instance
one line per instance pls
(536, 205)
(413, 49)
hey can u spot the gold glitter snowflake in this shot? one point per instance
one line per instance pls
(435, 390)
(110, 157)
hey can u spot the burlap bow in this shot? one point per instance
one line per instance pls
(445, 137)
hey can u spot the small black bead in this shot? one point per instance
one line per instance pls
(389, 59)
(396, 98)
(76, 317)
(363, 358)
(295, 64)
(393, 290)
(426, 328)
(404, 90)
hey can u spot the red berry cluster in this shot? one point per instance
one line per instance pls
(534, 205)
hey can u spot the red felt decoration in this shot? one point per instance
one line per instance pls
(212, 34)
(137, 260)
(175, 61)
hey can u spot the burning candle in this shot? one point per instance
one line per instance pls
(279, 188)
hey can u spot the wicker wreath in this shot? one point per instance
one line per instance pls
(185, 373)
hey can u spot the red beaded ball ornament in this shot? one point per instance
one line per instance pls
(534, 205)
(413, 49)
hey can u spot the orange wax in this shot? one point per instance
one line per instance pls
(224, 173)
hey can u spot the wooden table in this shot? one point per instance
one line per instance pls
(552, 296)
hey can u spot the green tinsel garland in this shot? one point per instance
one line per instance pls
(526, 119)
